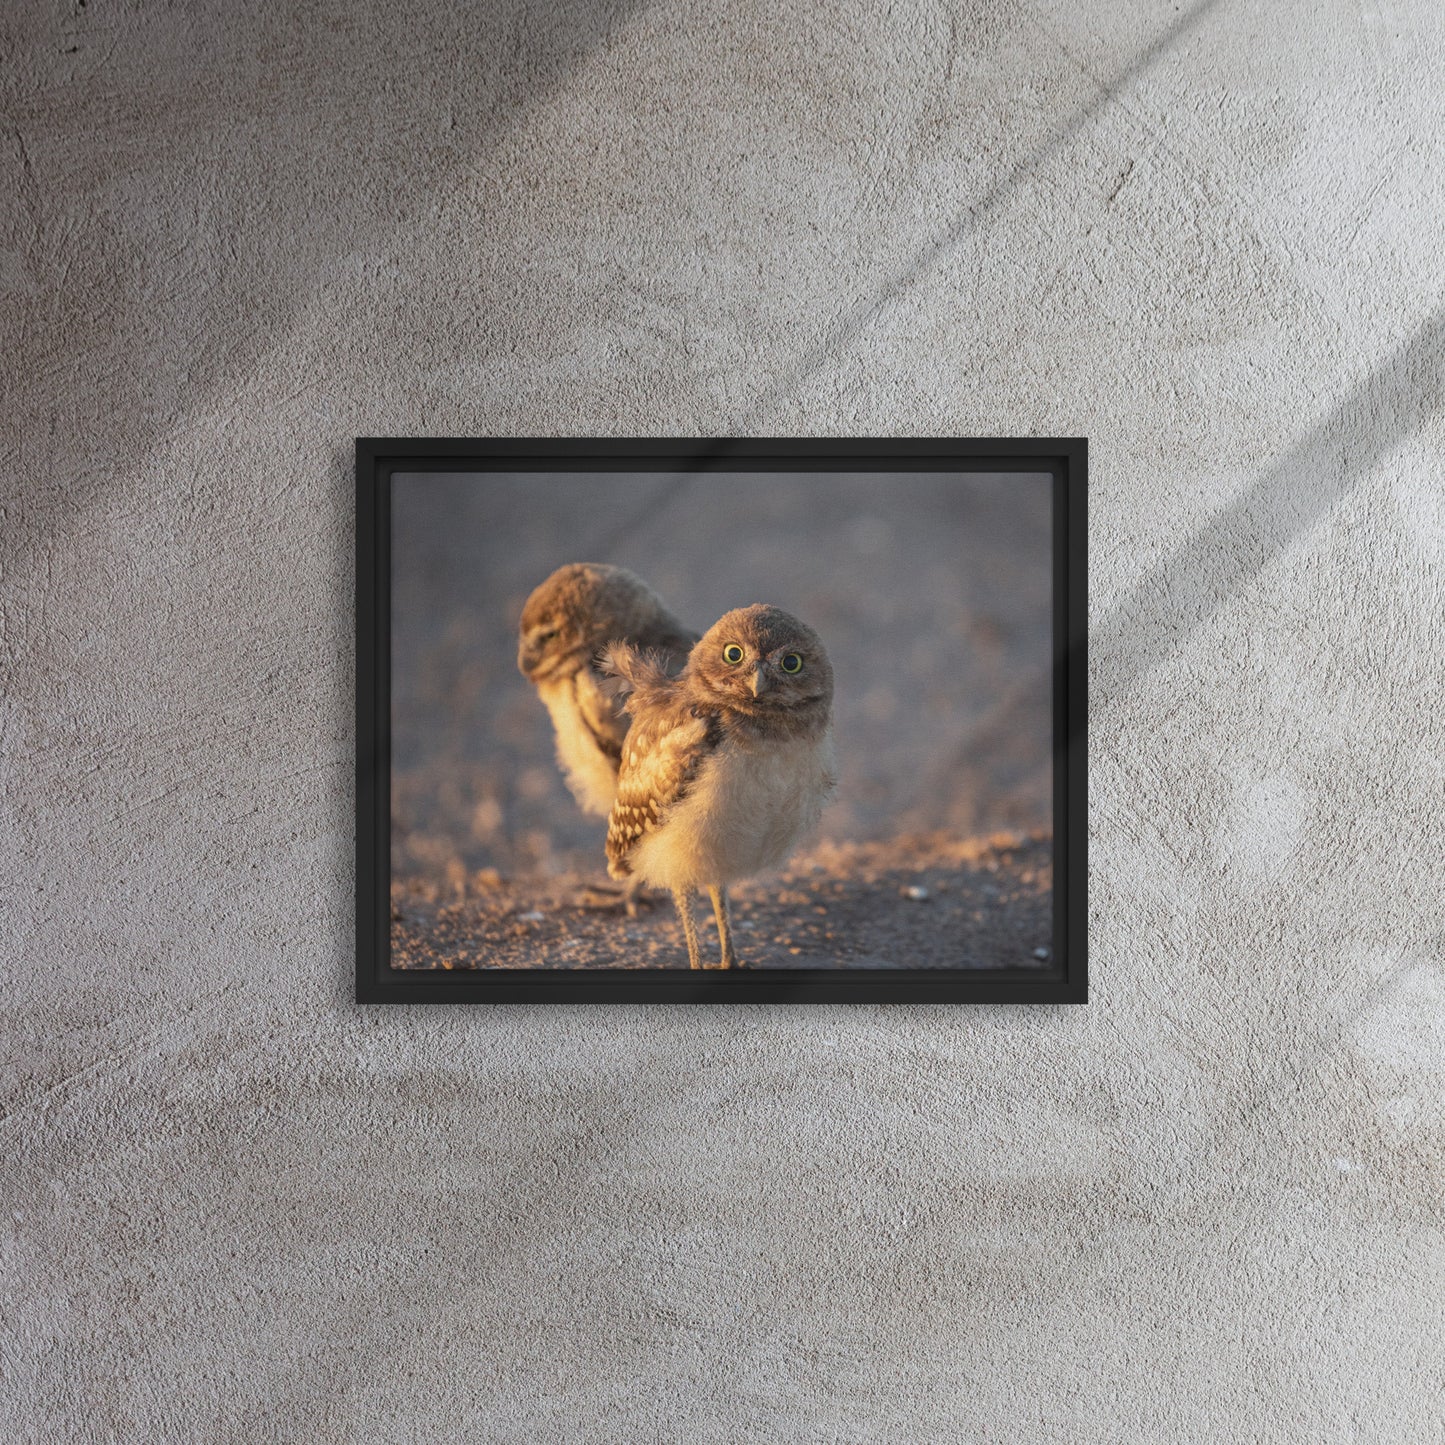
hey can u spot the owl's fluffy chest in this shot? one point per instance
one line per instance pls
(745, 810)
(581, 715)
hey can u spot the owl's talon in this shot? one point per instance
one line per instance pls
(596, 899)
(605, 898)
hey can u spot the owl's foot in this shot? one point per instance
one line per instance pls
(626, 897)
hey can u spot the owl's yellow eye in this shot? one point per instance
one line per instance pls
(792, 663)
(732, 653)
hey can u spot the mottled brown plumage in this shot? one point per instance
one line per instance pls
(726, 766)
(566, 622)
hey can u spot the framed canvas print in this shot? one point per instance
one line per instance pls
(721, 721)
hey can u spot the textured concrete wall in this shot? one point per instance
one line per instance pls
(1207, 1207)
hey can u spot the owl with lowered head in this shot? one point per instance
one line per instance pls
(724, 767)
(566, 623)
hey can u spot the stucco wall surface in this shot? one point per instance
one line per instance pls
(1205, 1207)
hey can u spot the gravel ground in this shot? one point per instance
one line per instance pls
(919, 902)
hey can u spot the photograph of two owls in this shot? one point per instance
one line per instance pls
(820, 704)
(720, 756)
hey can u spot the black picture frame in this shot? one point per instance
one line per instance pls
(1064, 980)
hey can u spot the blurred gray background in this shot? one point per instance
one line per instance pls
(1208, 1206)
(932, 594)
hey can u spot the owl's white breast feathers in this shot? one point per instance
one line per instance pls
(745, 808)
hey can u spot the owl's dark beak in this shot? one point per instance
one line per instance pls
(759, 682)
(527, 659)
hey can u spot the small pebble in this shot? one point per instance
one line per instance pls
(1041, 953)
(531, 916)
(917, 893)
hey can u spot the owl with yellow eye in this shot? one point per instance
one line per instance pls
(725, 767)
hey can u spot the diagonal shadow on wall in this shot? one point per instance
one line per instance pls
(866, 312)
(168, 261)
(1182, 592)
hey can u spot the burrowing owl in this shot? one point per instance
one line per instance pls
(725, 767)
(566, 623)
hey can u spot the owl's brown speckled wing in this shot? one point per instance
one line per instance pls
(660, 759)
(600, 714)
(597, 705)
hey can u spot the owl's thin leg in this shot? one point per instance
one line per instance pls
(724, 931)
(683, 898)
